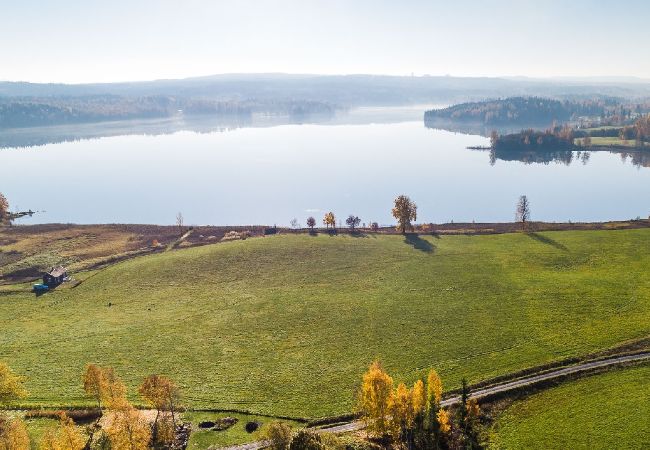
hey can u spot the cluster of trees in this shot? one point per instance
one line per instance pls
(518, 110)
(640, 130)
(415, 417)
(404, 211)
(556, 138)
(124, 428)
(37, 111)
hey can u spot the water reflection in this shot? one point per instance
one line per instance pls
(37, 136)
(638, 158)
(202, 124)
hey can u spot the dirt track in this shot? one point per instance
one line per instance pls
(488, 391)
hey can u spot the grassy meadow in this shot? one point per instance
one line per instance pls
(286, 325)
(237, 434)
(607, 411)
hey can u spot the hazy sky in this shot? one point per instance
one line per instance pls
(116, 40)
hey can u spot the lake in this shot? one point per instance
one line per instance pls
(268, 171)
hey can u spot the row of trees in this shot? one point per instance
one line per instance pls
(124, 426)
(640, 131)
(404, 211)
(415, 417)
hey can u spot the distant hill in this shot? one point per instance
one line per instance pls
(523, 110)
(31, 104)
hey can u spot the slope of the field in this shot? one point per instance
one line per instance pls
(606, 411)
(287, 324)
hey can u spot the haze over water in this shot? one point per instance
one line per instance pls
(352, 164)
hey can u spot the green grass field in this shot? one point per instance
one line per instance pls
(286, 325)
(607, 411)
(237, 434)
(609, 141)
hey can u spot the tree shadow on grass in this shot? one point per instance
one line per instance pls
(358, 234)
(546, 240)
(418, 243)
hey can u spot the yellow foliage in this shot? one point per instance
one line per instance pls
(374, 397)
(279, 435)
(473, 410)
(329, 220)
(165, 429)
(405, 211)
(401, 410)
(104, 386)
(49, 440)
(13, 434)
(129, 429)
(160, 392)
(434, 390)
(11, 385)
(115, 390)
(94, 382)
(419, 399)
(444, 423)
(65, 436)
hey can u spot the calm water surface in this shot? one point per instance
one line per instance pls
(266, 175)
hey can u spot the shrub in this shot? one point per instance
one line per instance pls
(77, 415)
(307, 440)
(235, 236)
(279, 436)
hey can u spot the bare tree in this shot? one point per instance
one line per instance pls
(523, 211)
(352, 221)
(179, 222)
(294, 223)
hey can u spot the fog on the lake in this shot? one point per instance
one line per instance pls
(270, 173)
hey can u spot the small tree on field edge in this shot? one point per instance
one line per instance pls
(523, 211)
(311, 223)
(352, 221)
(405, 211)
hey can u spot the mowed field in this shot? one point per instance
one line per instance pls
(286, 325)
(606, 411)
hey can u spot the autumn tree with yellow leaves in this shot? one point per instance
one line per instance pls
(94, 383)
(163, 395)
(11, 385)
(401, 413)
(103, 385)
(435, 415)
(405, 212)
(411, 417)
(13, 434)
(329, 220)
(65, 436)
(128, 429)
(375, 398)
